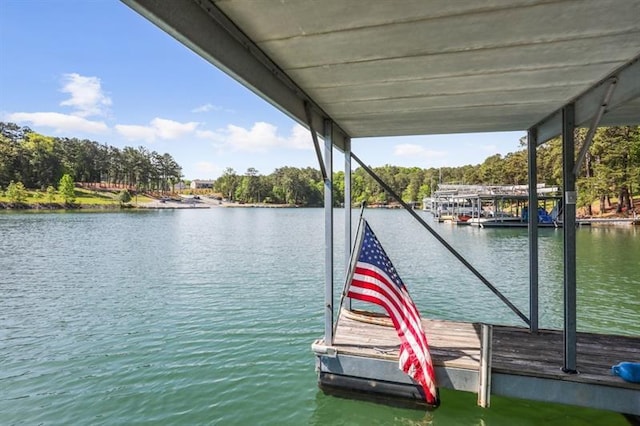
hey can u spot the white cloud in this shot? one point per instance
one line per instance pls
(87, 97)
(262, 137)
(412, 150)
(135, 133)
(158, 128)
(210, 135)
(169, 129)
(62, 123)
(206, 108)
(300, 138)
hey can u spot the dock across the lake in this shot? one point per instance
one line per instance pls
(364, 358)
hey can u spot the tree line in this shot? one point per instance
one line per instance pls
(39, 161)
(611, 168)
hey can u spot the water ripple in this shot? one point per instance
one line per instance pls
(206, 317)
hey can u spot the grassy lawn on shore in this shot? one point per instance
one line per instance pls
(84, 197)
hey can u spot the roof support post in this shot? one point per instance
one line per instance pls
(532, 143)
(569, 232)
(347, 209)
(328, 234)
(594, 125)
(314, 136)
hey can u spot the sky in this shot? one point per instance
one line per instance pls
(97, 70)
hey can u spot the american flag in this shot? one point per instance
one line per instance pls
(376, 280)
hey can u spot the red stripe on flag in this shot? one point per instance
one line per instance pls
(403, 301)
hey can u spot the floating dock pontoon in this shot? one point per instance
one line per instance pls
(488, 360)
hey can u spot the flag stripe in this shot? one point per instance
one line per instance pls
(378, 274)
(374, 275)
(395, 299)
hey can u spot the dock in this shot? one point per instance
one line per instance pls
(433, 68)
(521, 364)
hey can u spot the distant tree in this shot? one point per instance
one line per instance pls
(248, 189)
(16, 192)
(43, 156)
(67, 189)
(51, 194)
(227, 183)
(124, 197)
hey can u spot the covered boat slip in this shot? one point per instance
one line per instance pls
(521, 364)
(363, 68)
(493, 205)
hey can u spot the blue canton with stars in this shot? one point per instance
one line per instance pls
(373, 254)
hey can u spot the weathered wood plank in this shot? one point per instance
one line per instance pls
(515, 350)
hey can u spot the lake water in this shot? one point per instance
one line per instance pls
(207, 316)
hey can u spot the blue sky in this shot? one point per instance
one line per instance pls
(98, 70)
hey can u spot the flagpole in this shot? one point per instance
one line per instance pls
(355, 253)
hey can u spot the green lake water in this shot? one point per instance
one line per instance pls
(207, 316)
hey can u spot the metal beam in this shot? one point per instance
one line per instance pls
(328, 234)
(347, 209)
(442, 240)
(569, 232)
(484, 379)
(533, 229)
(203, 28)
(314, 136)
(586, 105)
(594, 125)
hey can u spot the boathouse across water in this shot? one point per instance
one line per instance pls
(361, 68)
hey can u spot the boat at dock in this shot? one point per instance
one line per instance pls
(493, 206)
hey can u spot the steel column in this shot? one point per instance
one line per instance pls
(484, 373)
(533, 229)
(347, 209)
(328, 233)
(569, 232)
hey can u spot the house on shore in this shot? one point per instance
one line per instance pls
(202, 184)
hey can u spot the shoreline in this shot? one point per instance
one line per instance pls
(201, 204)
(151, 205)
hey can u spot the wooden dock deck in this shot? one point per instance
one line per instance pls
(523, 365)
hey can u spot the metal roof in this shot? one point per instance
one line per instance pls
(391, 68)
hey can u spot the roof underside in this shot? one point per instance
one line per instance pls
(387, 68)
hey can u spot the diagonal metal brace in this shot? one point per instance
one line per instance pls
(316, 144)
(442, 241)
(594, 125)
